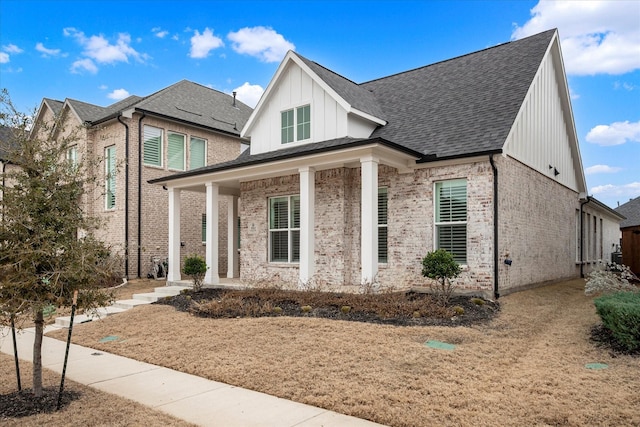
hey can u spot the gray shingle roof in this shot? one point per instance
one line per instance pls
(631, 210)
(356, 95)
(465, 105)
(6, 141)
(198, 104)
(54, 104)
(184, 101)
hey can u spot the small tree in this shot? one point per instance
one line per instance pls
(196, 268)
(43, 259)
(440, 266)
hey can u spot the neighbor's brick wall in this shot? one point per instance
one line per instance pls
(537, 226)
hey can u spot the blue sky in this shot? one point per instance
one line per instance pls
(102, 51)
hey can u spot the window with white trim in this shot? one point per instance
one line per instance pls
(382, 225)
(578, 237)
(72, 155)
(197, 153)
(110, 177)
(152, 146)
(295, 127)
(284, 229)
(176, 151)
(451, 218)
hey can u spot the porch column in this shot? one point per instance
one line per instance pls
(174, 236)
(369, 219)
(233, 267)
(211, 253)
(307, 223)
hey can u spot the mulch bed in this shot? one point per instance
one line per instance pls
(604, 338)
(23, 404)
(391, 308)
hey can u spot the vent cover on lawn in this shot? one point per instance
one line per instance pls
(440, 345)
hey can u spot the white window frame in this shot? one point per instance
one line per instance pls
(110, 178)
(383, 225)
(204, 155)
(295, 124)
(290, 229)
(462, 260)
(147, 142)
(180, 155)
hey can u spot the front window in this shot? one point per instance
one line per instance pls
(72, 155)
(451, 218)
(382, 225)
(197, 153)
(176, 151)
(152, 146)
(110, 177)
(295, 127)
(284, 229)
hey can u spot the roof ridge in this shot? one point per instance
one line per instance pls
(458, 57)
(328, 69)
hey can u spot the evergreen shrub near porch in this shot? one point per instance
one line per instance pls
(620, 314)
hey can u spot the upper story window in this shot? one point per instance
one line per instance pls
(451, 218)
(110, 177)
(296, 127)
(197, 153)
(176, 151)
(72, 155)
(152, 146)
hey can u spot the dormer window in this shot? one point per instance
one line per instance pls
(296, 127)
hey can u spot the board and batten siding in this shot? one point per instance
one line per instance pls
(329, 119)
(540, 135)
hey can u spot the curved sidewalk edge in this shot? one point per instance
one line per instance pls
(188, 397)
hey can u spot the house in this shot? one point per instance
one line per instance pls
(183, 127)
(353, 183)
(630, 228)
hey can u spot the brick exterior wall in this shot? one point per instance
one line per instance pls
(154, 201)
(536, 226)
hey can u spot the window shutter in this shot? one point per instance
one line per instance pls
(204, 228)
(176, 151)
(152, 146)
(197, 153)
(382, 225)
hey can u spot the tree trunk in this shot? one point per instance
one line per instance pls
(37, 354)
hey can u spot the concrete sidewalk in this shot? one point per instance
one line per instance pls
(193, 399)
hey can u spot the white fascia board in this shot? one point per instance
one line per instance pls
(366, 116)
(319, 161)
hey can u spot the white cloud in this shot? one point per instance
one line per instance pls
(249, 94)
(4, 58)
(601, 169)
(99, 49)
(118, 94)
(262, 42)
(12, 48)
(46, 52)
(626, 86)
(615, 134)
(84, 64)
(103, 87)
(624, 191)
(202, 44)
(596, 36)
(159, 32)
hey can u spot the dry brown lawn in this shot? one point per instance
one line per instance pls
(527, 367)
(93, 408)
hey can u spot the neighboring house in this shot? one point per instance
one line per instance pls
(353, 183)
(182, 127)
(630, 228)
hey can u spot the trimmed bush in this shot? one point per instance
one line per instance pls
(440, 266)
(195, 267)
(620, 313)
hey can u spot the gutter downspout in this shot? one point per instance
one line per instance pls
(588, 199)
(140, 192)
(496, 288)
(126, 197)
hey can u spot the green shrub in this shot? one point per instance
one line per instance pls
(478, 301)
(440, 266)
(305, 308)
(459, 311)
(620, 313)
(195, 267)
(345, 309)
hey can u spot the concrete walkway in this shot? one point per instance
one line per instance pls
(193, 399)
